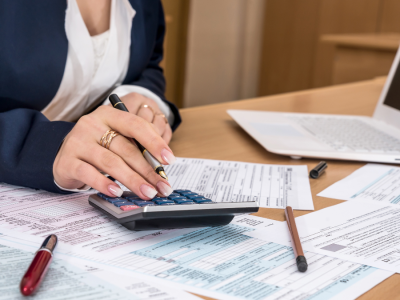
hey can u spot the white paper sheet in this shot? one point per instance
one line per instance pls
(273, 186)
(65, 281)
(372, 182)
(224, 263)
(361, 231)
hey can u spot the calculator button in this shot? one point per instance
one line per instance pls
(113, 200)
(183, 201)
(133, 198)
(164, 202)
(194, 196)
(143, 203)
(158, 198)
(187, 194)
(201, 200)
(121, 203)
(129, 207)
(181, 191)
(176, 197)
(101, 195)
(128, 194)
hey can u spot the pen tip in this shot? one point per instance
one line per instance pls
(163, 175)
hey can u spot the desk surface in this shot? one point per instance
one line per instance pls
(376, 41)
(209, 132)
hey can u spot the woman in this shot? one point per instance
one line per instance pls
(61, 59)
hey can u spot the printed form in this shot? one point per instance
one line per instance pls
(372, 182)
(65, 281)
(220, 262)
(272, 186)
(362, 231)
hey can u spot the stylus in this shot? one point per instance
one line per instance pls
(154, 163)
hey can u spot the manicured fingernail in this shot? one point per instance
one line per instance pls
(116, 191)
(164, 188)
(168, 156)
(148, 191)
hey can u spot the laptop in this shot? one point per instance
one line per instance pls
(343, 137)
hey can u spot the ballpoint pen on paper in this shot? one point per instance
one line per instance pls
(297, 248)
(154, 163)
(39, 265)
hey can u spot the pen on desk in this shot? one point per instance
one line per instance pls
(297, 248)
(154, 163)
(39, 265)
(318, 170)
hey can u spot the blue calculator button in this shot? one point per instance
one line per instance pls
(194, 196)
(128, 194)
(133, 198)
(176, 197)
(158, 198)
(101, 195)
(183, 201)
(181, 191)
(164, 202)
(143, 203)
(121, 203)
(113, 200)
(187, 194)
(201, 200)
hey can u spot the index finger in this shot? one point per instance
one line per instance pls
(133, 126)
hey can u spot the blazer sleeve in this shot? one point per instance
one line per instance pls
(29, 145)
(152, 78)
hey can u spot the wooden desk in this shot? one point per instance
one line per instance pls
(209, 132)
(361, 56)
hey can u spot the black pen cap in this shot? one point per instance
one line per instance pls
(318, 170)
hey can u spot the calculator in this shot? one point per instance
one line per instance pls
(181, 209)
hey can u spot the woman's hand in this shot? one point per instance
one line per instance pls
(81, 156)
(135, 103)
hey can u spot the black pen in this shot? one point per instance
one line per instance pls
(154, 163)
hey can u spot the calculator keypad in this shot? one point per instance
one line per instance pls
(129, 201)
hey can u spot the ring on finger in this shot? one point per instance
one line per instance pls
(107, 138)
(149, 107)
(164, 117)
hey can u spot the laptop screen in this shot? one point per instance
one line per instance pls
(392, 98)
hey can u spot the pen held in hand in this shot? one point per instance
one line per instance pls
(154, 163)
(297, 248)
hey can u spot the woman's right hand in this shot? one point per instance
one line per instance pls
(81, 156)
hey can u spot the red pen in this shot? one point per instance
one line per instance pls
(39, 265)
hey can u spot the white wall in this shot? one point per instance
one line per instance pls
(223, 52)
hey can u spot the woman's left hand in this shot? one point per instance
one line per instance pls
(148, 109)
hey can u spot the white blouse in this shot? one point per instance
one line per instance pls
(96, 64)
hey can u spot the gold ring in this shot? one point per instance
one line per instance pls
(149, 107)
(165, 118)
(107, 138)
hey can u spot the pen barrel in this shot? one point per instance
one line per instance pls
(36, 272)
(154, 163)
(294, 234)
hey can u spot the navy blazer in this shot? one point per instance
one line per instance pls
(33, 53)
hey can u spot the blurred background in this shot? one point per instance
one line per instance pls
(226, 50)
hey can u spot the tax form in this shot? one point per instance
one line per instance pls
(362, 231)
(65, 281)
(272, 186)
(224, 263)
(372, 182)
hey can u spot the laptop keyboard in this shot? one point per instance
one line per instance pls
(344, 134)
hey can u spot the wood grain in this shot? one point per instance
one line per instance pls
(209, 132)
